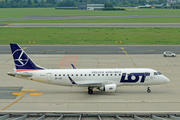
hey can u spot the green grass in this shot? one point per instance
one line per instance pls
(91, 36)
(35, 12)
(105, 20)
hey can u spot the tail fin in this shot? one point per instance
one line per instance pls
(22, 60)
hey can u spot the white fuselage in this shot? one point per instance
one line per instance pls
(128, 76)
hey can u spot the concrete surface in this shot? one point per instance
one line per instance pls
(66, 99)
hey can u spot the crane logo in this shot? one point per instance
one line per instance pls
(20, 58)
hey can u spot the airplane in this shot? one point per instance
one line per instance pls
(106, 80)
(158, 6)
(147, 5)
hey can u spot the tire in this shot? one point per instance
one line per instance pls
(90, 91)
(148, 90)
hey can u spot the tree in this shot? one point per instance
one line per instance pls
(35, 1)
(153, 2)
(108, 4)
(50, 1)
(42, 3)
(29, 2)
(142, 2)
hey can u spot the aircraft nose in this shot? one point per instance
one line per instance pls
(166, 79)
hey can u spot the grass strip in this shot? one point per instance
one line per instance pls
(91, 36)
(105, 20)
(45, 12)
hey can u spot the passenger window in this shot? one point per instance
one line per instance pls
(85, 75)
(67, 74)
(106, 74)
(76, 74)
(63, 74)
(119, 74)
(111, 74)
(81, 74)
(59, 74)
(102, 74)
(114, 74)
(89, 74)
(55, 75)
(93, 74)
(72, 75)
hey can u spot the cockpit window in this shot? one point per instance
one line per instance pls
(157, 73)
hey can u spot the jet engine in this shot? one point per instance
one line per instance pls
(109, 88)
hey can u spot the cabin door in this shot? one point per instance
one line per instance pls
(49, 77)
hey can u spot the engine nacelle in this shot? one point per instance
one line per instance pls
(110, 88)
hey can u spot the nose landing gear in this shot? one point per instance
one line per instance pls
(148, 90)
(90, 90)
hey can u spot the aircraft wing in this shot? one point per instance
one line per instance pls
(86, 84)
(90, 84)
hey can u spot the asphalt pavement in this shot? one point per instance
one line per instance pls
(94, 49)
(82, 17)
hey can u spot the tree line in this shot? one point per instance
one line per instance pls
(74, 3)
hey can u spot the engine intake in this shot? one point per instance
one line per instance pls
(109, 88)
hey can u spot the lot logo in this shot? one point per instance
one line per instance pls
(134, 77)
(20, 58)
(110, 88)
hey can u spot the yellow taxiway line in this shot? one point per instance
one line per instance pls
(8, 25)
(129, 57)
(12, 103)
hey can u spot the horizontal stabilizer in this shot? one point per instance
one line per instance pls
(22, 74)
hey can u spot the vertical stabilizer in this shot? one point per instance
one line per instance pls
(22, 61)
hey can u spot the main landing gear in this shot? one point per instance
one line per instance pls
(148, 90)
(90, 90)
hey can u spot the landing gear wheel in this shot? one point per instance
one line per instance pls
(148, 90)
(90, 91)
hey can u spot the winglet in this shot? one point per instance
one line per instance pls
(73, 66)
(72, 81)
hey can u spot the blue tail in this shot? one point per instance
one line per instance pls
(22, 60)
